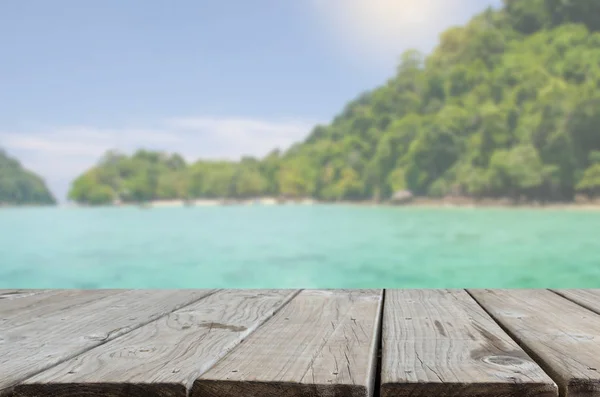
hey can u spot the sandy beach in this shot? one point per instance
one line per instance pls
(449, 202)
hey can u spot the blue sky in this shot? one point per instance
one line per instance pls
(206, 78)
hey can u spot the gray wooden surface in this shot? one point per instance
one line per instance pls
(31, 347)
(19, 293)
(164, 357)
(442, 343)
(28, 307)
(562, 335)
(588, 298)
(323, 343)
(315, 343)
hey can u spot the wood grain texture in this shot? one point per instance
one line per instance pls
(442, 343)
(323, 343)
(563, 336)
(588, 298)
(33, 346)
(24, 307)
(19, 293)
(12, 300)
(164, 357)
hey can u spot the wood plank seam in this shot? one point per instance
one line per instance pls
(575, 387)
(163, 369)
(376, 377)
(442, 343)
(275, 359)
(262, 324)
(336, 328)
(579, 301)
(109, 337)
(539, 361)
(375, 359)
(576, 301)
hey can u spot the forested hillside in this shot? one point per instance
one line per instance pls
(506, 106)
(19, 186)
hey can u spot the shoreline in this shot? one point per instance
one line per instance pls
(418, 202)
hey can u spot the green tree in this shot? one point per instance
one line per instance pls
(100, 195)
(506, 106)
(590, 182)
(515, 172)
(19, 186)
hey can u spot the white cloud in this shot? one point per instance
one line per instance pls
(231, 138)
(380, 30)
(61, 154)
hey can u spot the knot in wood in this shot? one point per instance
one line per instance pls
(504, 360)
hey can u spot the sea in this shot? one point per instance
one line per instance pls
(299, 246)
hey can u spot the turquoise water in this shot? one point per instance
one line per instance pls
(298, 246)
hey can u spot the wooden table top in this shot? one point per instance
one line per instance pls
(287, 343)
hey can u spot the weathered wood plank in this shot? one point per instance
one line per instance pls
(588, 298)
(164, 357)
(28, 307)
(16, 293)
(15, 299)
(442, 343)
(27, 349)
(563, 336)
(323, 343)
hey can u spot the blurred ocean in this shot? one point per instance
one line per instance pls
(320, 246)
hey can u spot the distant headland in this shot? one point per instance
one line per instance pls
(19, 186)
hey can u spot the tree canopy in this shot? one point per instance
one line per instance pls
(19, 186)
(506, 106)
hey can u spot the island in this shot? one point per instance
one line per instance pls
(19, 186)
(506, 107)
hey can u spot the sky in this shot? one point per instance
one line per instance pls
(213, 79)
